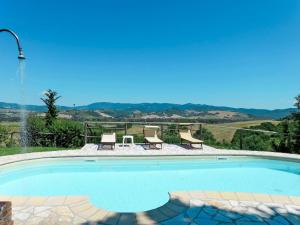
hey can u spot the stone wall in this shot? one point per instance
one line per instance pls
(5, 213)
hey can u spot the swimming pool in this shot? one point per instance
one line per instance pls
(135, 184)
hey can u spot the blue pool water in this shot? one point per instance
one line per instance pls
(142, 184)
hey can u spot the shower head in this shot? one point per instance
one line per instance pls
(21, 53)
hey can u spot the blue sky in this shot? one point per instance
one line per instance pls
(219, 52)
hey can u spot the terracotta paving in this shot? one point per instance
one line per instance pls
(183, 208)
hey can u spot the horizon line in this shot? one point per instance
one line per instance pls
(137, 103)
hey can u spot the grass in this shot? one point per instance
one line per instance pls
(11, 126)
(225, 131)
(136, 129)
(19, 150)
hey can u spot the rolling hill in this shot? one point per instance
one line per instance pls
(159, 108)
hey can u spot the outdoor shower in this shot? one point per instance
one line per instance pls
(21, 54)
(21, 72)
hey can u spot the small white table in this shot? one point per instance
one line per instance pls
(126, 137)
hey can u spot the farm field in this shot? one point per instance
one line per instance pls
(225, 131)
(11, 126)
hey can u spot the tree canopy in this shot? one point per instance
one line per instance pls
(50, 99)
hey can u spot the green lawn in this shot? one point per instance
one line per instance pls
(18, 150)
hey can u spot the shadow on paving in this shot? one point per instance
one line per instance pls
(178, 212)
(188, 147)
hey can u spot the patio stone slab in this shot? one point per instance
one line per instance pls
(245, 196)
(55, 200)
(262, 198)
(295, 200)
(182, 208)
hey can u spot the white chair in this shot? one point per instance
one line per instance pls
(128, 137)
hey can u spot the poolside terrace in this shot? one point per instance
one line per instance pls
(184, 208)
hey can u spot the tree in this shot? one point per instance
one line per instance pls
(3, 136)
(296, 133)
(284, 144)
(265, 126)
(297, 130)
(206, 136)
(50, 98)
(252, 140)
(297, 103)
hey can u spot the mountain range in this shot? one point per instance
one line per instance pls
(157, 108)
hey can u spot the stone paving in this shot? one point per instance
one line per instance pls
(183, 208)
(221, 210)
(144, 149)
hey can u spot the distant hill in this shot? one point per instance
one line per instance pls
(34, 108)
(159, 108)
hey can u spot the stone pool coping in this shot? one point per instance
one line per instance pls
(78, 209)
(207, 151)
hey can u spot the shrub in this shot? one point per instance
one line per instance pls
(138, 138)
(253, 140)
(206, 136)
(67, 133)
(171, 138)
(36, 126)
(4, 139)
(62, 132)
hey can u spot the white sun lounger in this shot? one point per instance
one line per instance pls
(150, 136)
(109, 139)
(187, 136)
